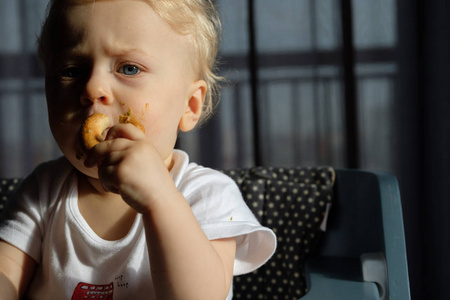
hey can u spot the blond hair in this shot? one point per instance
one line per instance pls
(196, 19)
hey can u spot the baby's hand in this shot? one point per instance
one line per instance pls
(129, 164)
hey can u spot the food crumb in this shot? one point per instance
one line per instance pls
(231, 219)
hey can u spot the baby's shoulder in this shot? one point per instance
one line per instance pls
(205, 177)
(185, 172)
(44, 183)
(198, 182)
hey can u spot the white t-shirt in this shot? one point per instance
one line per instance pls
(44, 221)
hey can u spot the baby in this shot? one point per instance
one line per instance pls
(131, 217)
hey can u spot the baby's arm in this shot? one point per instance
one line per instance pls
(16, 270)
(184, 263)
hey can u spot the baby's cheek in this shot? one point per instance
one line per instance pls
(145, 111)
(65, 121)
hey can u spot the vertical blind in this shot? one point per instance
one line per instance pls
(309, 82)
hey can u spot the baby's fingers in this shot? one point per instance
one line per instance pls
(126, 131)
(112, 170)
(107, 173)
(104, 150)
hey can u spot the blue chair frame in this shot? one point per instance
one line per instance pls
(362, 254)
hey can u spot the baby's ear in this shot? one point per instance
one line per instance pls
(194, 106)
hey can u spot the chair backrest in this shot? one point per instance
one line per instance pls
(355, 224)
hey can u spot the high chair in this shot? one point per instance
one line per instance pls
(360, 255)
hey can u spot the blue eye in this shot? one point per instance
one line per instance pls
(129, 70)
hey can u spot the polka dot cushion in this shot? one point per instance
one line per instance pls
(7, 187)
(291, 201)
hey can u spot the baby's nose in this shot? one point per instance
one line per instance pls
(96, 90)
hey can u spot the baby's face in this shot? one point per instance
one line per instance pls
(118, 55)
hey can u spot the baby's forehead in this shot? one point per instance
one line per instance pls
(119, 28)
(61, 18)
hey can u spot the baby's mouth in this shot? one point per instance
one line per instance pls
(94, 129)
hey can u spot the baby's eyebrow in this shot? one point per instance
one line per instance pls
(125, 51)
(67, 55)
(74, 52)
(79, 54)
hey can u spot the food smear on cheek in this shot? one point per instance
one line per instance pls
(129, 117)
(145, 111)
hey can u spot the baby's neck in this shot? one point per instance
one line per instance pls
(106, 213)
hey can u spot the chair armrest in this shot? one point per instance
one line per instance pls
(374, 270)
(338, 279)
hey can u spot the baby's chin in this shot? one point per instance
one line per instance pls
(78, 163)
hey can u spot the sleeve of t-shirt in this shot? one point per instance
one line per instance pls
(217, 203)
(21, 223)
(23, 220)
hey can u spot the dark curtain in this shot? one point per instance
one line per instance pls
(423, 141)
(347, 83)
